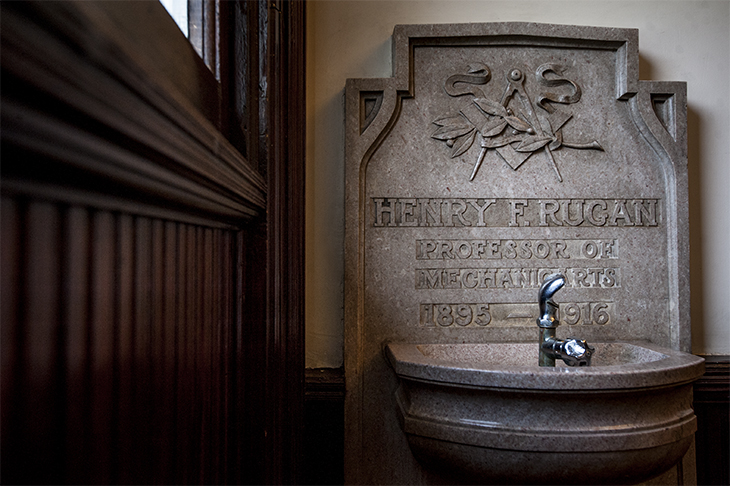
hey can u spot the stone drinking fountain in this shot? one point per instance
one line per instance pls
(499, 164)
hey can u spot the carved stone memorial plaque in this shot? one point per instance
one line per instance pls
(498, 154)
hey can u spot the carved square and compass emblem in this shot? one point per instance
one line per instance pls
(517, 125)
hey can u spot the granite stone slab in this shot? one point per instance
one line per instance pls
(495, 155)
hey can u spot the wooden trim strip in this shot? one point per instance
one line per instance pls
(285, 107)
(81, 198)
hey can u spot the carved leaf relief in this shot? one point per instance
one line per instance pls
(514, 126)
(491, 107)
(463, 143)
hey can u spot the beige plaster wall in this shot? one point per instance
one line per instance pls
(678, 41)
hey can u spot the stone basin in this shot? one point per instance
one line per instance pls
(486, 413)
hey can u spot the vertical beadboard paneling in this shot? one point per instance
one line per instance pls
(157, 340)
(226, 325)
(124, 314)
(76, 320)
(167, 395)
(144, 394)
(116, 334)
(198, 352)
(181, 371)
(102, 337)
(218, 388)
(10, 273)
(143, 324)
(157, 337)
(41, 411)
(189, 357)
(207, 326)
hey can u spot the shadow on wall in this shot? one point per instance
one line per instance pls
(696, 259)
(696, 227)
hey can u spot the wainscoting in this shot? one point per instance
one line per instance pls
(324, 424)
(151, 245)
(712, 407)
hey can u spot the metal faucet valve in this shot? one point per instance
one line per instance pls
(548, 308)
(573, 351)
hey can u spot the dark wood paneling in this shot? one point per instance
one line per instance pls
(152, 276)
(285, 151)
(712, 407)
(118, 349)
(324, 426)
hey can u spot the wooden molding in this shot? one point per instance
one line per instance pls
(286, 130)
(325, 384)
(714, 385)
(79, 95)
(712, 407)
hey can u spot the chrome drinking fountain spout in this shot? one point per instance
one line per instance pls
(574, 351)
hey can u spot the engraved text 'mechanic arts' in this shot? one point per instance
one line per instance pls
(516, 126)
(514, 277)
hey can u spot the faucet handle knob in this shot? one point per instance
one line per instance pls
(576, 352)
